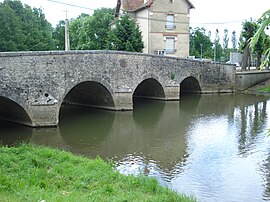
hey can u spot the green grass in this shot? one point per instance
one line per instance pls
(264, 90)
(33, 173)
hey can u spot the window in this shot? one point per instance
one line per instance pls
(170, 22)
(171, 1)
(170, 45)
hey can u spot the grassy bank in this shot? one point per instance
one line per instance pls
(32, 173)
(264, 90)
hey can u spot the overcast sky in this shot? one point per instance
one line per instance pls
(211, 14)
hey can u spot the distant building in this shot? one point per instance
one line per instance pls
(164, 24)
(236, 57)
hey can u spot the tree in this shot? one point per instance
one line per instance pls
(59, 35)
(200, 43)
(249, 29)
(90, 32)
(126, 36)
(86, 32)
(260, 35)
(217, 47)
(225, 39)
(226, 50)
(10, 32)
(77, 36)
(234, 40)
(24, 28)
(37, 29)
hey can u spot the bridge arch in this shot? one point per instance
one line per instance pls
(90, 94)
(190, 85)
(149, 88)
(13, 112)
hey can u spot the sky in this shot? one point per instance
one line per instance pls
(210, 14)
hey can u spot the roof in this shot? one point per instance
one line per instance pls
(190, 4)
(135, 5)
(132, 5)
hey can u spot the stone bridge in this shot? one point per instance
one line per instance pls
(34, 85)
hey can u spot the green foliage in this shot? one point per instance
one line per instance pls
(59, 35)
(199, 40)
(90, 32)
(225, 39)
(234, 40)
(31, 173)
(218, 51)
(23, 28)
(248, 30)
(10, 32)
(226, 51)
(264, 90)
(261, 38)
(126, 36)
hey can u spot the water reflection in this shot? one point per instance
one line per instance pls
(212, 146)
(13, 134)
(147, 113)
(189, 103)
(251, 119)
(265, 169)
(225, 128)
(84, 129)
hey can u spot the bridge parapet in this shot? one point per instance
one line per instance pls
(246, 79)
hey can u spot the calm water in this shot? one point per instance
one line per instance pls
(212, 146)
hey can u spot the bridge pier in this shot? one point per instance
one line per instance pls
(44, 115)
(172, 92)
(123, 101)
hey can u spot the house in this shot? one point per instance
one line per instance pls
(164, 24)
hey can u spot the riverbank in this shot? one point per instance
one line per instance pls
(261, 88)
(34, 173)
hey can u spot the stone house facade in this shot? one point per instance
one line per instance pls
(164, 24)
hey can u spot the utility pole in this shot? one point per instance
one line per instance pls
(201, 51)
(215, 51)
(67, 42)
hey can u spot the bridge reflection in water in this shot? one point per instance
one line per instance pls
(212, 146)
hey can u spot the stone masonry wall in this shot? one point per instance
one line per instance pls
(39, 81)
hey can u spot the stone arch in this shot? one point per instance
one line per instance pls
(190, 85)
(91, 93)
(149, 88)
(13, 112)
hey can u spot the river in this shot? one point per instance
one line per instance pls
(214, 147)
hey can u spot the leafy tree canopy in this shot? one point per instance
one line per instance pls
(261, 38)
(23, 28)
(200, 43)
(90, 32)
(251, 31)
(126, 36)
